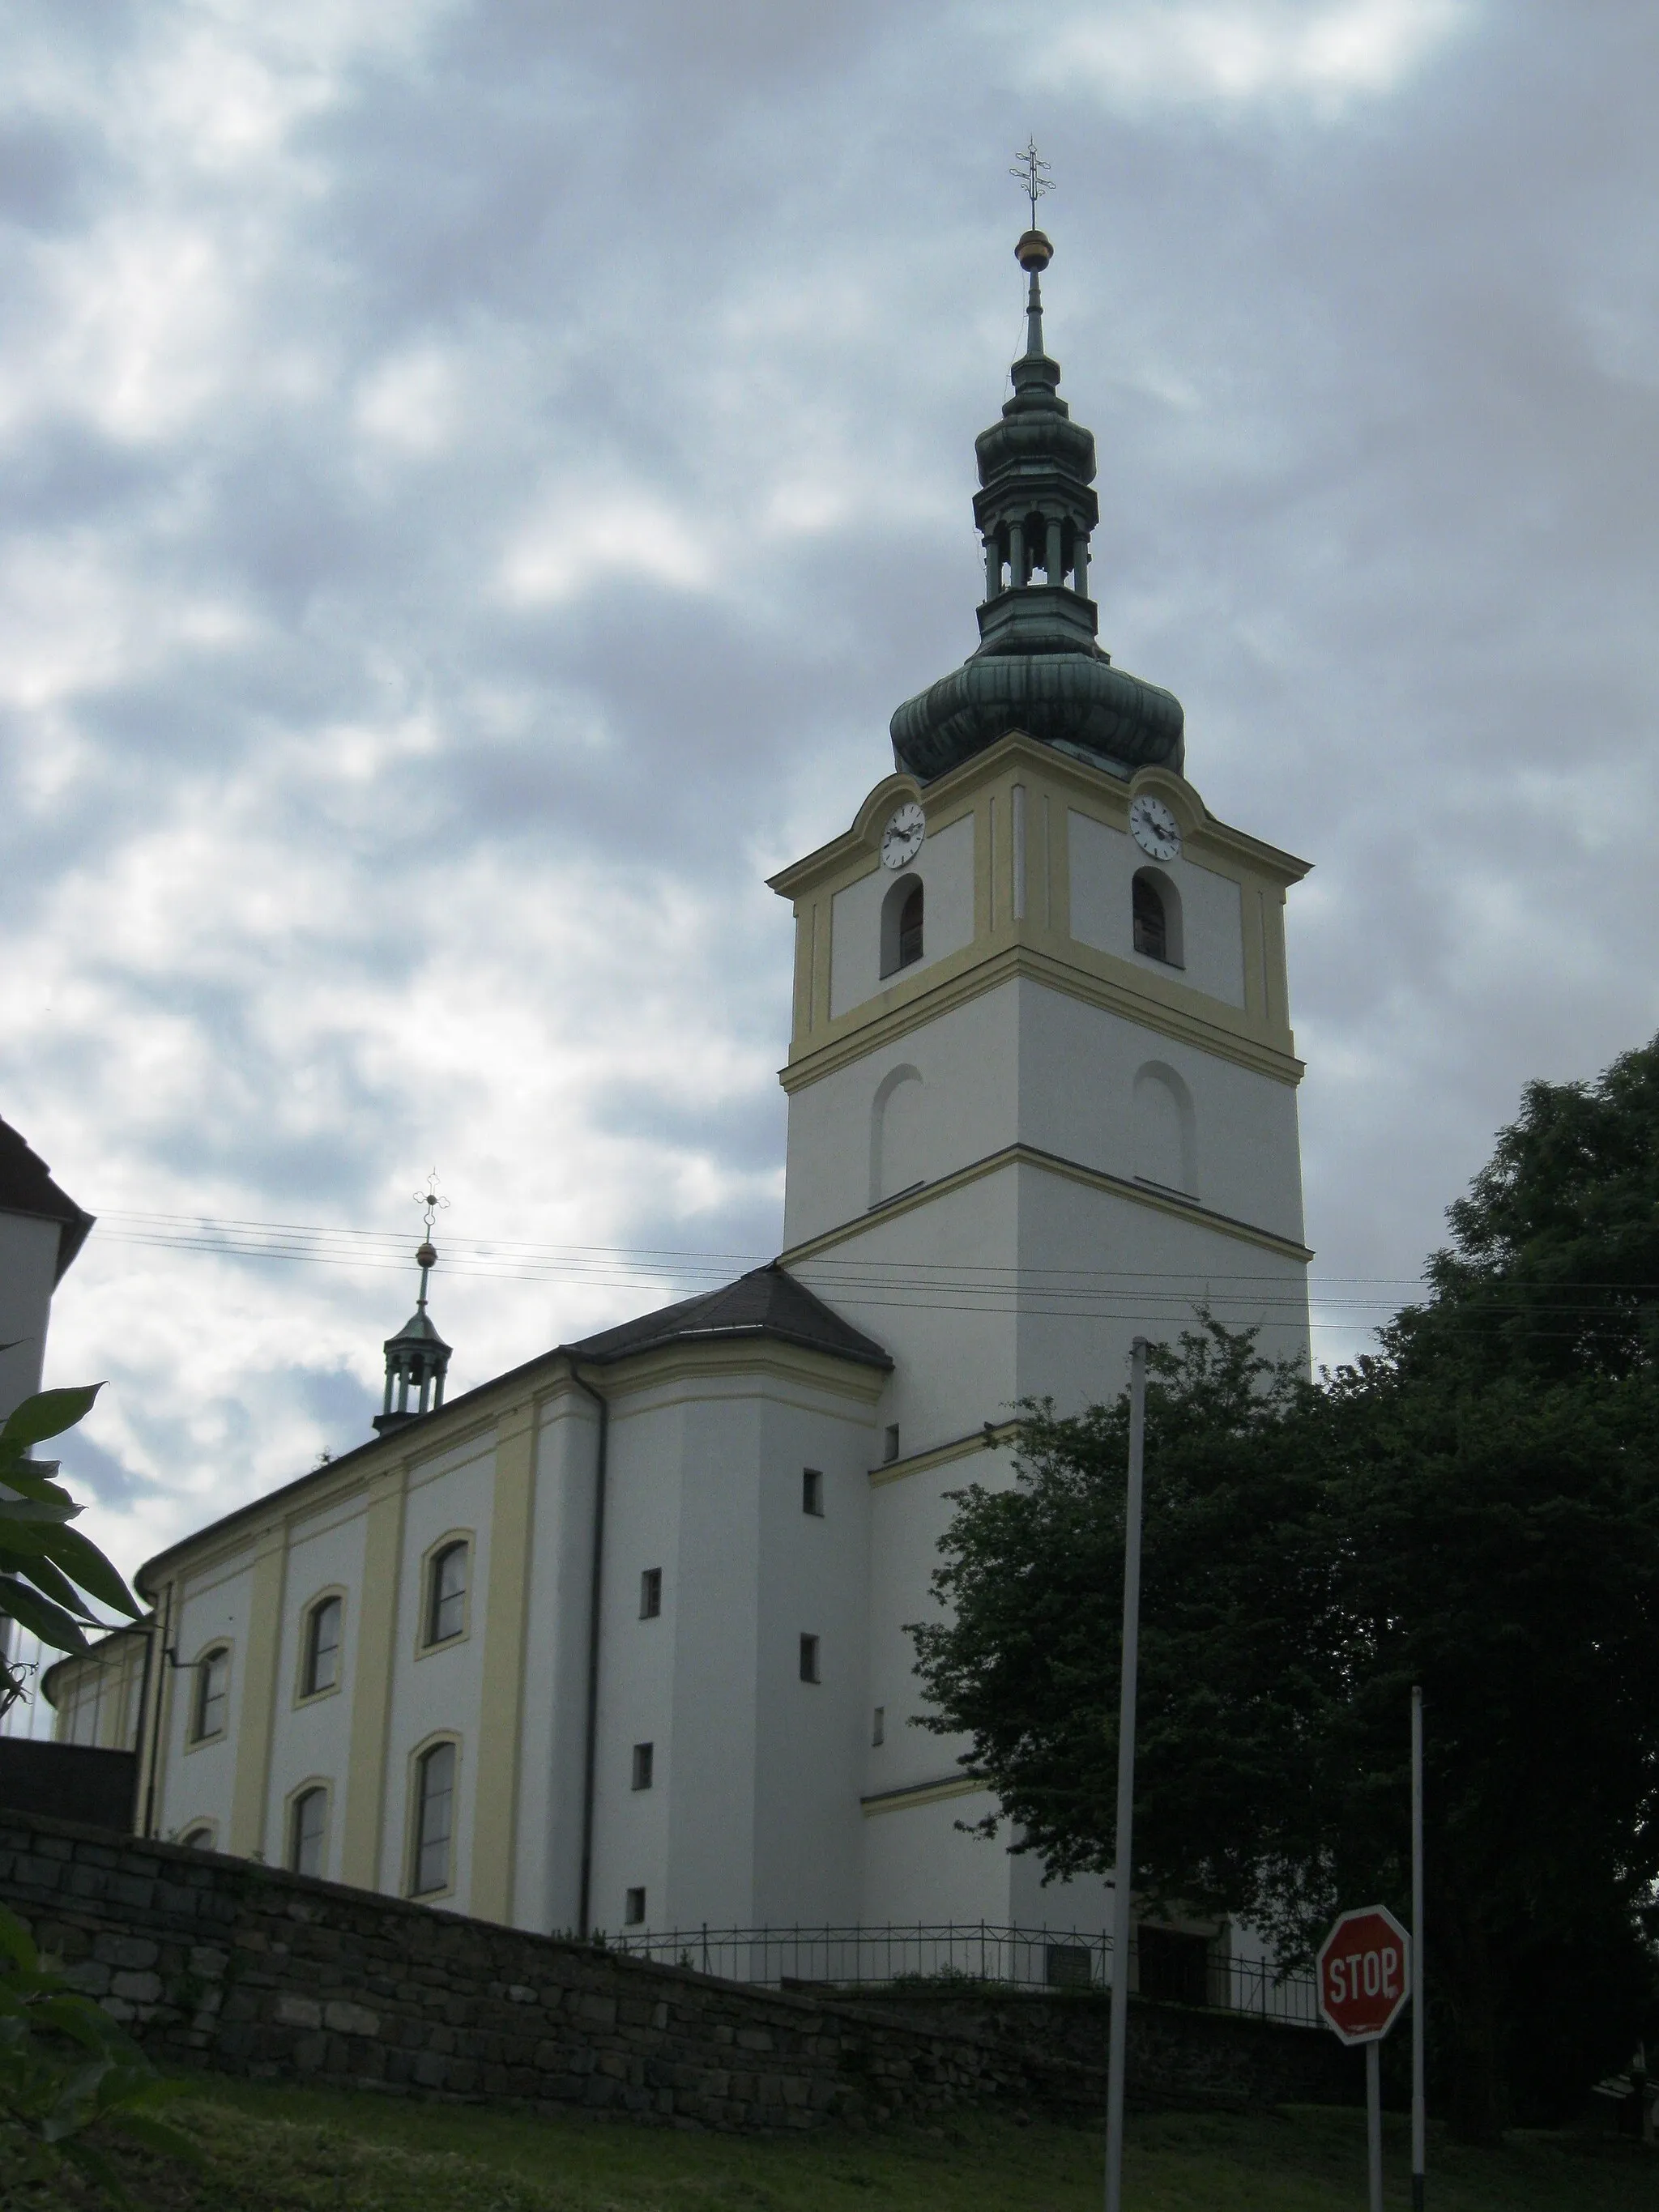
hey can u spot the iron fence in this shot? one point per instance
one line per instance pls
(1167, 1963)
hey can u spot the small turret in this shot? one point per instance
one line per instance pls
(417, 1359)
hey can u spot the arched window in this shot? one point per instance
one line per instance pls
(446, 1600)
(321, 1670)
(898, 1135)
(1166, 1130)
(434, 1819)
(902, 912)
(198, 1838)
(307, 1831)
(1156, 906)
(210, 1709)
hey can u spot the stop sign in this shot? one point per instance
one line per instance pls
(1364, 1973)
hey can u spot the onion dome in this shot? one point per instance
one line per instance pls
(1038, 668)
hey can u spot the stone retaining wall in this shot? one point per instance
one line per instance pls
(224, 1963)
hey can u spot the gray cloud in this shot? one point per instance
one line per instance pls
(480, 478)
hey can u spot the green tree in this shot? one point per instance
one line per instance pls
(1475, 1508)
(45, 1565)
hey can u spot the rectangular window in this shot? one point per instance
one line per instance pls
(634, 1912)
(811, 1491)
(892, 1451)
(878, 1725)
(212, 1695)
(808, 1659)
(651, 1593)
(644, 1759)
(307, 1831)
(434, 1818)
(323, 1646)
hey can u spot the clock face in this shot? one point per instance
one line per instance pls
(1153, 828)
(901, 841)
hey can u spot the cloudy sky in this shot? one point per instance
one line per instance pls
(478, 476)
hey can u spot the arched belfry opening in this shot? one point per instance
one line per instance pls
(903, 915)
(1155, 916)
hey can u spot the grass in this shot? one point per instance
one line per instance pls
(318, 2150)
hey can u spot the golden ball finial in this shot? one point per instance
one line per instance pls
(1034, 251)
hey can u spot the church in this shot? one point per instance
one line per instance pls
(617, 1640)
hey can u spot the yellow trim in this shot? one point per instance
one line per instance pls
(1165, 1008)
(1140, 1194)
(925, 1793)
(495, 1796)
(991, 1437)
(412, 1820)
(302, 1657)
(424, 1645)
(371, 1697)
(257, 1714)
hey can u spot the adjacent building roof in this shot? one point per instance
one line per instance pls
(767, 1302)
(27, 1186)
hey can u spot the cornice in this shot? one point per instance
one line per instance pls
(980, 972)
(944, 796)
(1139, 1193)
(923, 1793)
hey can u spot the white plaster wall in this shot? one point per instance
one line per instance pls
(968, 1061)
(28, 1256)
(310, 1742)
(902, 1280)
(548, 1859)
(649, 1457)
(810, 1737)
(919, 1868)
(946, 867)
(199, 1779)
(440, 1689)
(1076, 1068)
(1104, 861)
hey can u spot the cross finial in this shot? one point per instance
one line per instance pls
(1032, 171)
(428, 1199)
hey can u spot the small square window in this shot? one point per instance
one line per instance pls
(651, 1593)
(892, 1450)
(811, 1491)
(808, 1659)
(644, 1759)
(878, 1725)
(633, 1913)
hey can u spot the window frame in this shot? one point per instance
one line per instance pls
(425, 1644)
(1166, 891)
(196, 1737)
(643, 1770)
(413, 1841)
(651, 1593)
(315, 1785)
(304, 1694)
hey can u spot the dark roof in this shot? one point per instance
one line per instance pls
(768, 1302)
(27, 1186)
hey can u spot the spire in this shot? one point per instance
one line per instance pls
(417, 1358)
(1038, 667)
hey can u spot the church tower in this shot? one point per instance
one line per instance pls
(1041, 1082)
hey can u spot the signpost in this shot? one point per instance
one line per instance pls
(1365, 1978)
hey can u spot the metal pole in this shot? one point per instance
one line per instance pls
(1419, 2110)
(1373, 2119)
(1124, 1845)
